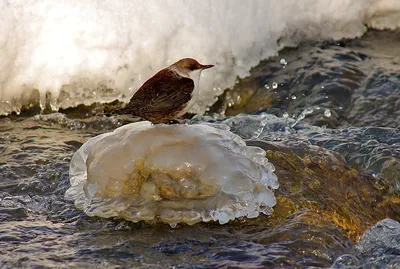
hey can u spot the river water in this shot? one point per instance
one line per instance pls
(328, 115)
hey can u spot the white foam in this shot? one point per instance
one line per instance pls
(78, 50)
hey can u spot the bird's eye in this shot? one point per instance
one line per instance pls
(192, 67)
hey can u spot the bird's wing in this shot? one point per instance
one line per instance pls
(160, 94)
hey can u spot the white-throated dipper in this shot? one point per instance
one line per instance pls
(169, 94)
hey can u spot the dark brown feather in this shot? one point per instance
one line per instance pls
(161, 97)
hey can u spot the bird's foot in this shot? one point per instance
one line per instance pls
(176, 121)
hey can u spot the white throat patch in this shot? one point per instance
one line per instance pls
(195, 76)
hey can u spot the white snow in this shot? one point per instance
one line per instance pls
(78, 50)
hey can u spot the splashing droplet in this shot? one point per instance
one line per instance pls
(274, 85)
(302, 115)
(294, 97)
(283, 62)
(327, 113)
(266, 86)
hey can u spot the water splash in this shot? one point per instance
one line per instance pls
(303, 115)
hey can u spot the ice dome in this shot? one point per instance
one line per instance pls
(173, 173)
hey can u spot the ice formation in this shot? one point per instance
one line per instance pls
(73, 52)
(175, 173)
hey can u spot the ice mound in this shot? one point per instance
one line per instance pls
(174, 173)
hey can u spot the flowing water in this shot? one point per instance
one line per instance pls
(334, 140)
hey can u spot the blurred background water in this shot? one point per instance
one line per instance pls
(327, 113)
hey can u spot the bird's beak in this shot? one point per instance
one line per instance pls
(206, 66)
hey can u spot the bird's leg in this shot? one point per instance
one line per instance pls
(176, 121)
(165, 121)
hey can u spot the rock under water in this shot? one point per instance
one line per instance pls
(172, 173)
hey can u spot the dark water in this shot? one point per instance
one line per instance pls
(350, 179)
(357, 80)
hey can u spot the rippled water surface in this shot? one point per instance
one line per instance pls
(338, 84)
(39, 228)
(335, 181)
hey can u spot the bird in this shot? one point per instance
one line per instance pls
(169, 94)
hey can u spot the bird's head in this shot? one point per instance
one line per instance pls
(189, 68)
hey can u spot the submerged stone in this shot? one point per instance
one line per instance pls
(381, 239)
(174, 173)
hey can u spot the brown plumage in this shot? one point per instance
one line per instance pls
(169, 94)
